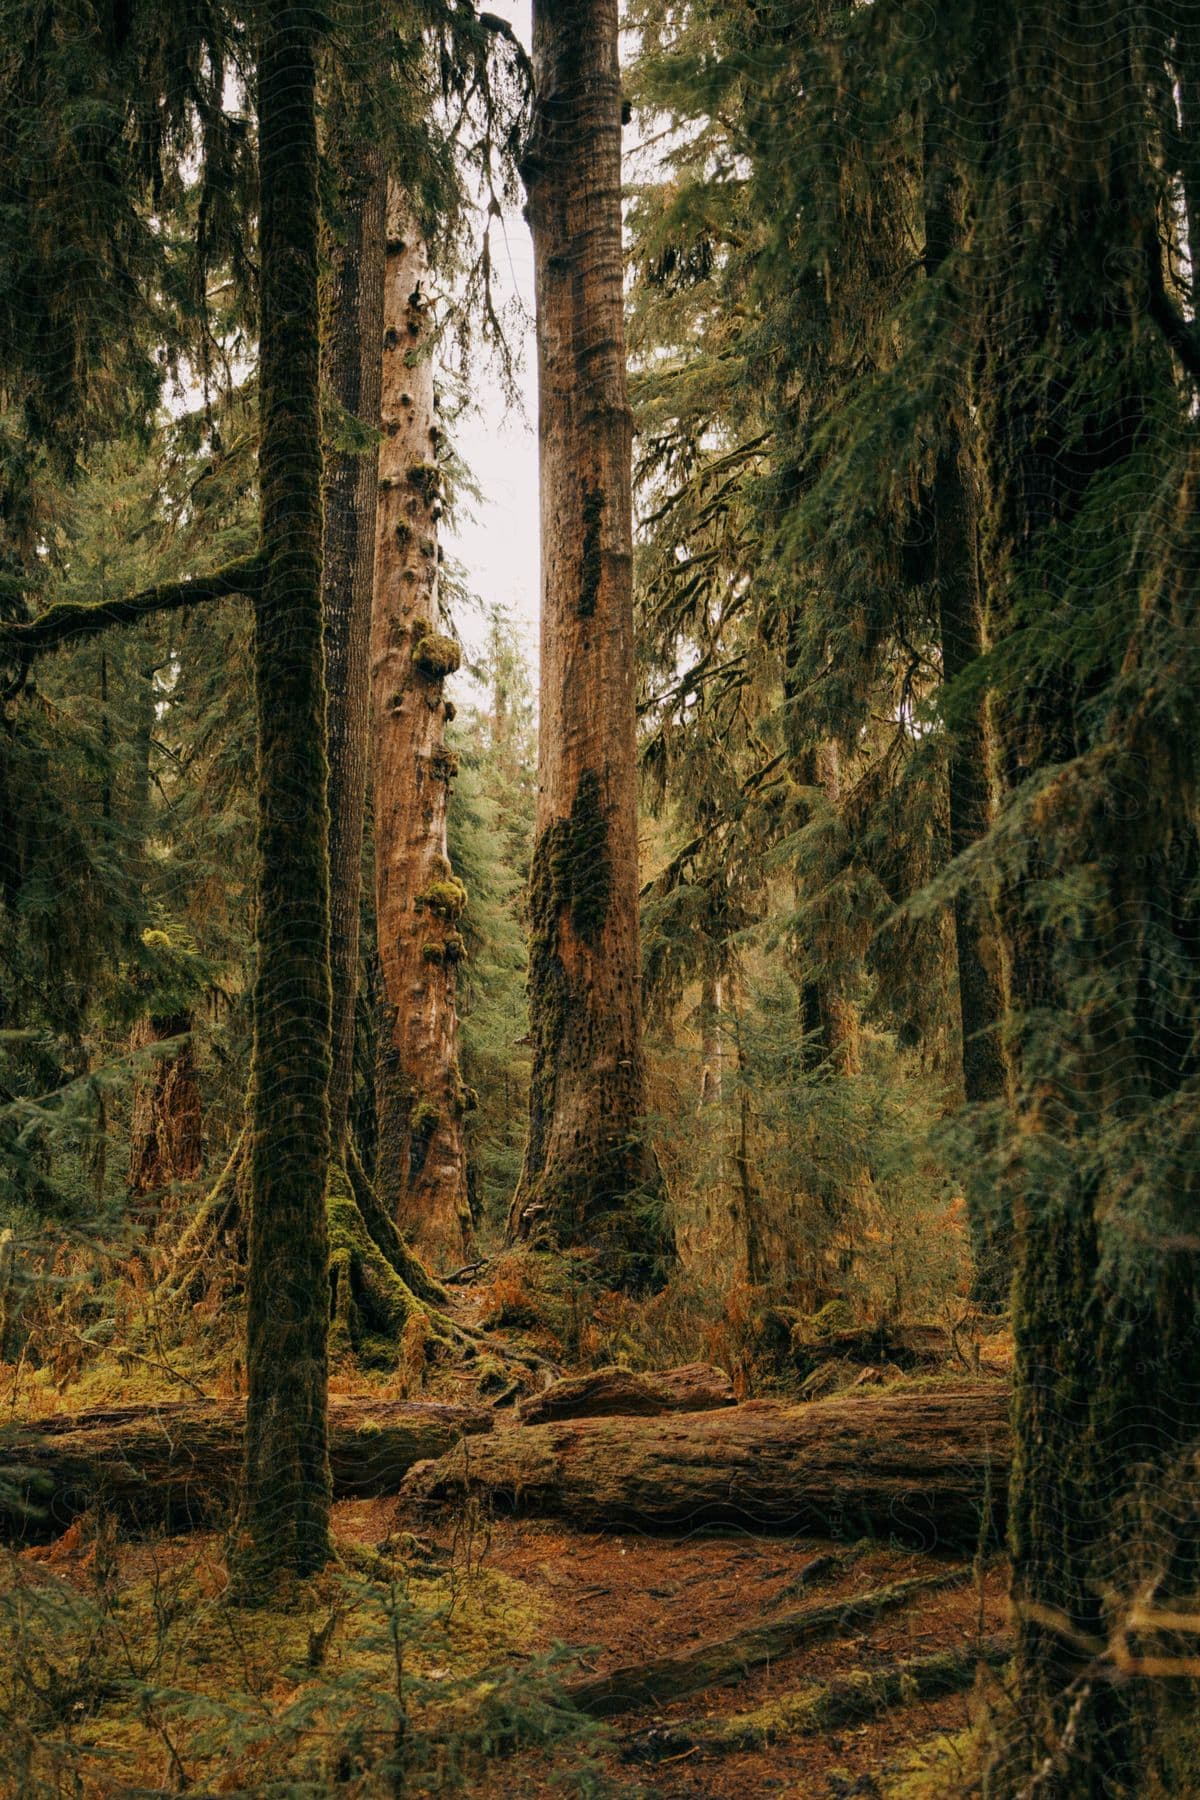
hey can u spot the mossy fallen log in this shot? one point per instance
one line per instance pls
(823, 1706)
(177, 1466)
(925, 1466)
(690, 1671)
(614, 1392)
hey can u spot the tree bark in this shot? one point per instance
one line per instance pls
(286, 1487)
(421, 1167)
(930, 1467)
(629, 1392)
(165, 1128)
(958, 583)
(355, 255)
(1079, 404)
(589, 1177)
(176, 1466)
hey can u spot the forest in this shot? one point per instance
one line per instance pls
(618, 1220)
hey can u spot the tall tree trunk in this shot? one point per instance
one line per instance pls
(421, 1166)
(354, 336)
(286, 1490)
(589, 1176)
(1077, 402)
(958, 585)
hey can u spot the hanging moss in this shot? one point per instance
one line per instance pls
(591, 563)
(455, 947)
(445, 899)
(436, 655)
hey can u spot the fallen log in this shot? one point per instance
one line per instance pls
(925, 1466)
(690, 1671)
(177, 1465)
(698, 1387)
(818, 1707)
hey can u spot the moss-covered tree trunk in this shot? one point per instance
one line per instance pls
(589, 1176)
(286, 1490)
(1090, 574)
(955, 509)
(354, 334)
(421, 1164)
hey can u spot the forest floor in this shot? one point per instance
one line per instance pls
(156, 1686)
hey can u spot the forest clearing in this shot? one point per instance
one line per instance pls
(616, 1219)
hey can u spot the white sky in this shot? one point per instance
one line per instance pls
(498, 548)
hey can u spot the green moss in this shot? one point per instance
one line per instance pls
(425, 479)
(455, 947)
(370, 1304)
(444, 764)
(445, 899)
(424, 1118)
(432, 953)
(436, 655)
(591, 564)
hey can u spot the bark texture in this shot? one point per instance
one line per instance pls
(695, 1388)
(588, 1177)
(420, 1168)
(926, 1466)
(166, 1122)
(285, 1501)
(958, 582)
(354, 333)
(176, 1466)
(1079, 403)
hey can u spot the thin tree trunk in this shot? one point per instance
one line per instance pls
(355, 253)
(286, 1489)
(421, 1167)
(961, 629)
(712, 1048)
(589, 1177)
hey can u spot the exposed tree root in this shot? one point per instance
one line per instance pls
(823, 1706)
(385, 1307)
(691, 1671)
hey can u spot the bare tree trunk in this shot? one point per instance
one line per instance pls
(712, 1048)
(588, 1175)
(355, 252)
(421, 1165)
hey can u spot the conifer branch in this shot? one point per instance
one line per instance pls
(70, 619)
